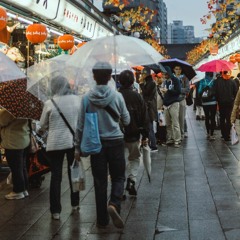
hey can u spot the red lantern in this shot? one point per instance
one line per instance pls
(237, 57)
(66, 41)
(36, 33)
(3, 18)
(214, 50)
(81, 44)
(232, 59)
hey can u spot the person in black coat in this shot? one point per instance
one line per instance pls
(149, 93)
(138, 127)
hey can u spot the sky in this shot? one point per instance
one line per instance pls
(190, 11)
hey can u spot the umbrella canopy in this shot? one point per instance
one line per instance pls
(9, 70)
(187, 69)
(40, 74)
(18, 101)
(216, 66)
(120, 51)
(146, 156)
(157, 67)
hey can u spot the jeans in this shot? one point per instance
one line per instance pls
(16, 159)
(110, 158)
(210, 113)
(225, 122)
(152, 138)
(56, 165)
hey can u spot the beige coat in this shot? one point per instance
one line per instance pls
(15, 133)
(236, 106)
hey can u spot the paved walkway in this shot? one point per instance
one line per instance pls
(194, 194)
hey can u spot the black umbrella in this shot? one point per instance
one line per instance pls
(157, 67)
(186, 67)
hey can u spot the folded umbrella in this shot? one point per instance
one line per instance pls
(146, 156)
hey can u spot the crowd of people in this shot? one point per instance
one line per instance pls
(151, 112)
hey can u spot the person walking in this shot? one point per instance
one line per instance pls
(136, 133)
(60, 139)
(149, 93)
(111, 157)
(235, 115)
(185, 88)
(209, 103)
(15, 139)
(226, 90)
(171, 91)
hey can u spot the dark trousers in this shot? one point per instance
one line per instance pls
(16, 159)
(152, 138)
(225, 122)
(210, 113)
(56, 165)
(111, 158)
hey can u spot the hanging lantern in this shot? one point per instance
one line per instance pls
(36, 33)
(81, 44)
(214, 50)
(232, 59)
(66, 41)
(237, 57)
(3, 18)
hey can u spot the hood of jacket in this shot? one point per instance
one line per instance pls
(101, 95)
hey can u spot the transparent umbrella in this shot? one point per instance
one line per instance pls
(120, 51)
(39, 75)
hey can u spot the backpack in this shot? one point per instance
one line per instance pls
(207, 93)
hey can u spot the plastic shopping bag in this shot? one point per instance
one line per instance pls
(234, 135)
(78, 176)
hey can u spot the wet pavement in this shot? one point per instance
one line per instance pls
(194, 194)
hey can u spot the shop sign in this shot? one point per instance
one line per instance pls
(46, 8)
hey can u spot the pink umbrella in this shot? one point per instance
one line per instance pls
(216, 66)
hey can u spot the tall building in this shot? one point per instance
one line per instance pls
(163, 22)
(180, 34)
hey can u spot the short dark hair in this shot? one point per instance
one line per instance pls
(60, 85)
(126, 78)
(102, 72)
(238, 75)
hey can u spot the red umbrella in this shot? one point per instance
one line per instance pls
(18, 101)
(216, 66)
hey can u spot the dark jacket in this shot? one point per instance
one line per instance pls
(138, 113)
(149, 93)
(226, 91)
(173, 91)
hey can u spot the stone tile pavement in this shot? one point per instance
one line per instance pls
(193, 195)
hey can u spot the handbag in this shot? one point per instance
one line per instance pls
(234, 135)
(90, 142)
(78, 178)
(189, 100)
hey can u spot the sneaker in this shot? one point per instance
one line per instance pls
(116, 218)
(131, 187)
(186, 135)
(26, 194)
(13, 196)
(154, 149)
(212, 138)
(177, 145)
(203, 118)
(198, 117)
(75, 208)
(170, 142)
(56, 216)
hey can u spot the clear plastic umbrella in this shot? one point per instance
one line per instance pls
(9, 70)
(39, 75)
(118, 50)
